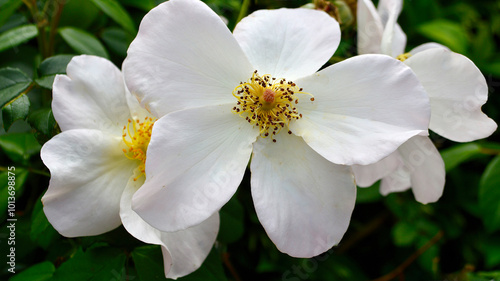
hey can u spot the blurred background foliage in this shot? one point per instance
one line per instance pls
(390, 238)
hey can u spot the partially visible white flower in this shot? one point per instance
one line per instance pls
(256, 93)
(97, 164)
(456, 89)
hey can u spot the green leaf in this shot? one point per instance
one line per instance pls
(80, 14)
(16, 110)
(42, 232)
(484, 276)
(231, 221)
(149, 263)
(404, 233)
(83, 42)
(115, 11)
(117, 40)
(428, 258)
(490, 147)
(369, 194)
(491, 252)
(13, 82)
(328, 267)
(446, 32)
(492, 67)
(483, 45)
(15, 20)
(55, 65)
(44, 124)
(458, 154)
(145, 5)
(17, 35)
(50, 67)
(19, 147)
(100, 263)
(6, 190)
(38, 272)
(7, 8)
(489, 195)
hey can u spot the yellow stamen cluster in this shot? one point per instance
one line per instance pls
(136, 135)
(268, 103)
(403, 57)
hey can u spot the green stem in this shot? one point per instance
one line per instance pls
(230, 267)
(489, 151)
(401, 268)
(54, 24)
(244, 10)
(29, 5)
(46, 6)
(40, 25)
(22, 93)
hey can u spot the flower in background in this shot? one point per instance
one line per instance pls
(97, 164)
(456, 89)
(224, 97)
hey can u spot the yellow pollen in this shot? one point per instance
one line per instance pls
(136, 135)
(403, 57)
(268, 103)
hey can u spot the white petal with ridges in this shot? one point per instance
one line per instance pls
(426, 46)
(131, 221)
(183, 251)
(370, 28)
(387, 7)
(136, 110)
(195, 161)
(188, 248)
(397, 181)
(288, 43)
(426, 168)
(423, 171)
(364, 108)
(91, 96)
(457, 90)
(394, 39)
(184, 56)
(88, 175)
(367, 175)
(303, 201)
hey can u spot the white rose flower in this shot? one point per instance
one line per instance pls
(97, 164)
(456, 90)
(224, 98)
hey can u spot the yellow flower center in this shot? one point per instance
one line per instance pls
(268, 103)
(136, 135)
(403, 57)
